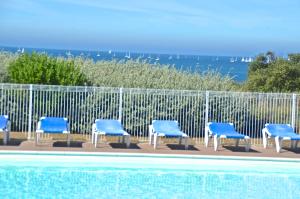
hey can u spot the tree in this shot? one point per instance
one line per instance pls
(38, 68)
(271, 74)
(295, 58)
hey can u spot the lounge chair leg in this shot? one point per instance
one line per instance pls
(278, 143)
(186, 143)
(68, 139)
(180, 140)
(293, 144)
(155, 141)
(248, 145)
(150, 138)
(237, 141)
(206, 141)
(93, 138)
(216, 142)
(265, 139)
(5, 137)
(206, 138)
(96, 140)
(151, 135)
(37, 135)
(127, 141)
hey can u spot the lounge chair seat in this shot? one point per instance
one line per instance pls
(224, 130)
(109, 127)
(166, 128)
(280, 132)
(53, 125)
(5, 128)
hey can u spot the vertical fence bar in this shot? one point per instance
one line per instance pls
(120, 104)
(30, 112)
(294, 98)
(206, 107)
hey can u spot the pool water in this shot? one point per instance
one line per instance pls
(109, 176)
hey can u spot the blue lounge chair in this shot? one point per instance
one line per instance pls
(53, 125)
(224, 130)
(109, 128)
(280, 132)
(5, 128)
(166, 128)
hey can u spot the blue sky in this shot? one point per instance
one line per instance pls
(211, 27)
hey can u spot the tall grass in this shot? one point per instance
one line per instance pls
(138, 74)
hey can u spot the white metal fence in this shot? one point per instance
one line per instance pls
(136, 108)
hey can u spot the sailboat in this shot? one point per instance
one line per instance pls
(243, 59)
(231, 60)
(68, 53)
(98, 54)
(109, 52)
(127, 56)
(22, 51)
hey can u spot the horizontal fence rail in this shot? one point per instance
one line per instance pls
(136, 108)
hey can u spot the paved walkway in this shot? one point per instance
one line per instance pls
(86, 146)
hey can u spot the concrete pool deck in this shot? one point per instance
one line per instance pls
(19, 142)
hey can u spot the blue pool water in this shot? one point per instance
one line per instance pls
(63, 176)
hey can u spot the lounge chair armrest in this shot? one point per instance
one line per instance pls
(151, 130)
(207, 131)
(94, 129)
(38, 129)
(266, 132)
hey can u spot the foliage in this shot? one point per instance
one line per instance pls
(271, 74)
(37, 68)
(140, 74)
(5, 59)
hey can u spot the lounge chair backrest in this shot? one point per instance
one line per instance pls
(54, 124)
(165, 125)
(108, 125)
(220, 128)
(279, 128)
(3, 121)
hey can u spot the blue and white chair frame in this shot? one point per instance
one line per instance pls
(230, 133)
(65, 129)
(280, 133)
(5, 128)
(154, 135)
(110, 128)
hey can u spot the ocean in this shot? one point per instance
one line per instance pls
(236, 67)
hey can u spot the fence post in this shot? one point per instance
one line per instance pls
(293, 110)
(30, 112)
(206, 107)
(120, 104)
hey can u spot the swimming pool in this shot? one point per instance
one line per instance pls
(81, 175)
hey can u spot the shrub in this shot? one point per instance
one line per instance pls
(140, 74)
(38, 68)
(5, 59)
(270, 74)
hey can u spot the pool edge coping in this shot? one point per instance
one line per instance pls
(148, 155)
